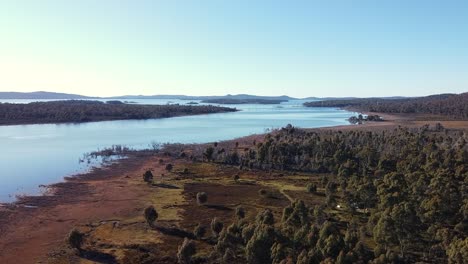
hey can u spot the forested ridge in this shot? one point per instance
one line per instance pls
(452, 106)
(87, 111)
(406, 192)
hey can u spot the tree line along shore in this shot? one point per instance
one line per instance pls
(78, 111)
(445, 106)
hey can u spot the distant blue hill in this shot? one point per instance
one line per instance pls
(41, 95)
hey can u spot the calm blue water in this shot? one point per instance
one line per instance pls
(42, 154)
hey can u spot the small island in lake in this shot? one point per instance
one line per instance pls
(78, 111)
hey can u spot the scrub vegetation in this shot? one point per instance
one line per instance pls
(301, 196)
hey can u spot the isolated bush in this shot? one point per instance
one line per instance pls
(236, 177)
(240, 212)
(216, 226)
(151, 215)
(148, 176)
(202, 198)
(311, 188)
(169, 167)
(208, 154)
(186, 251)
(75, 239)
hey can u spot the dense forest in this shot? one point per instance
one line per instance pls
(406, 191)
(88, 111)
(452, 106)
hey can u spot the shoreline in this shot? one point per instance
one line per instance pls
(107, 120)
(80, 199)
(41, 223)
(391, 120)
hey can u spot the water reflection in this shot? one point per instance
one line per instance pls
(40, 154)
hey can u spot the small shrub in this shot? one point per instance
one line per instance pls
(169, 167)
(216, 226)
(266, 194)
(186, 251)
(75, 239)
(311, 188)
(240, 212)
(148, 176)
(202, 198)
(151, 215)
(208, 154)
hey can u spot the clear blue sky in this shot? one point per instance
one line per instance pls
(298, 48)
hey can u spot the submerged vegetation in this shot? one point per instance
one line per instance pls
(77, 111)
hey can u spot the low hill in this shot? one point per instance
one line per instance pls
(64, 96)
(41, 95)
(452, 106)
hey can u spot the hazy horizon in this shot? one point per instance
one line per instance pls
(300, 48)
(221, 95)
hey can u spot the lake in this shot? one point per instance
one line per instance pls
(32, 155)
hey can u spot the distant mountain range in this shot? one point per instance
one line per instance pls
(51, 95)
